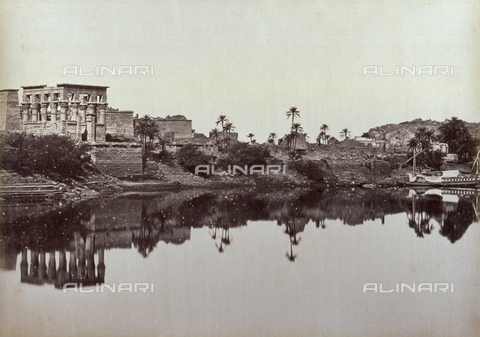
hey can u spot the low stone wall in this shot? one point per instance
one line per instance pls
(44, 128)
(117, 159)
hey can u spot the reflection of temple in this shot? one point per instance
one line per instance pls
(73, 265)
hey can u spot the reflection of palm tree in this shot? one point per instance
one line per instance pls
(321, 222)
(214, 234)
(419, 220)
(225, 238)
(145, 242)
(291, 231)
(290, 256)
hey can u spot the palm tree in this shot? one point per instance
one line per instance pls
(296, 128)
(413, 144)
(345, 133)
(228, 129)
(215, 133)
(147, 129)
(222, 119)
(293, 112)
(251, 135)
(288, 138)
(320, 137)
(163, 142)
(323, 131)
(272, 137)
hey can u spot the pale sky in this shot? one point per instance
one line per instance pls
(253, 60)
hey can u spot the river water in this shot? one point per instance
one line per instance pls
(243, 263)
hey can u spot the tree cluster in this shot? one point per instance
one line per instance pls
(455, 133)
(53, 155)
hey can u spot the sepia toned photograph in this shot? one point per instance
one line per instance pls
(270, 168)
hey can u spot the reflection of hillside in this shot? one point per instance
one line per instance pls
(457, 221)
(453, 218)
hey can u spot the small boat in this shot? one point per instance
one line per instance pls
(447, 179)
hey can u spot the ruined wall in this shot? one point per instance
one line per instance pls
(119, 123)
(233, 136)
(117, 159)
(181, 128)
(9, 110)
(300, 142)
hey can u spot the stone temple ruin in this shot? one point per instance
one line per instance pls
(78, 111)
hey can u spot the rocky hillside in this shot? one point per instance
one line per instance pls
(397, 135)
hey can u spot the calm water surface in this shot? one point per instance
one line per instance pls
(242, 263)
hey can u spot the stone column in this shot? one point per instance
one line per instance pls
(102, 108)
(82, 112)
(74, 114)
(80, 119)
(53, 112)
(43, 111)
(35, 112)
(91, 122)
(78, 128)
(63, 112)
(25, 110)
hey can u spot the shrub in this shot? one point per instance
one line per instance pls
(242, 154)
(189, 157)
(52, 155)
(314, 170)
(455, 133)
